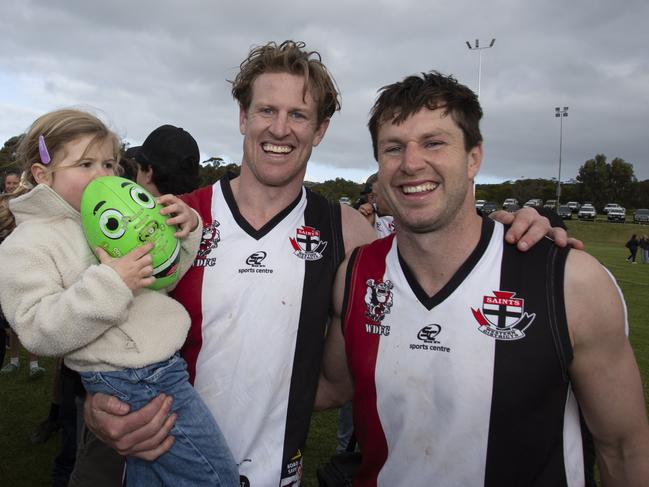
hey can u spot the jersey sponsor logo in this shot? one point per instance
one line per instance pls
(378, 302)
(307, 244)
(292, 472)
(428, 335)
(255, 260)
(503, 316)
(209, 241)
(243, 480)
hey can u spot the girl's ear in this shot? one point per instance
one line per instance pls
(41, 174)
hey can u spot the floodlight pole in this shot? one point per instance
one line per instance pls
(560, 114)
(477, 47)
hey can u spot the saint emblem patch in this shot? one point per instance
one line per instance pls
(503, 316)
(307, 244)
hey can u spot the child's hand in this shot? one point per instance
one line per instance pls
(366, 209)
(134, 268)
(181, 215)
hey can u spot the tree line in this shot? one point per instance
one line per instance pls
(598, 181)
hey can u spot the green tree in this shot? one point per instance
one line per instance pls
(213, 169)
(603, 182)
(640, 194)
(569, 192)
(621, 179)
(594, 179)
(334, 189)
(526, 189)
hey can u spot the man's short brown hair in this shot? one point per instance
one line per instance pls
(289, 57)
(399, 101)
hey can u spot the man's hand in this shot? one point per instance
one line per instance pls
(181, 215)
(134, 268)
(528, 227)
(143, 434)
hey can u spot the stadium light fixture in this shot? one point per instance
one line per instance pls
(476, 47)
(560, 114)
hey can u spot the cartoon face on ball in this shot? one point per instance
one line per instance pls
(118, 215)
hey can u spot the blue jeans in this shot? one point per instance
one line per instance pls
(345, 427)
(200, 455)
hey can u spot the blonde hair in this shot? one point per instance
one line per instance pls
(293, 58)
(58, 128)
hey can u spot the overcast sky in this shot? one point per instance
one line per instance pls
(145, 63)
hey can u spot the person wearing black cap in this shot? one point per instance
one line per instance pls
(168, 161)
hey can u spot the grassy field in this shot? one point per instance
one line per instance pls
(23, 403)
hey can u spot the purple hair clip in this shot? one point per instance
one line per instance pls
(42, 150)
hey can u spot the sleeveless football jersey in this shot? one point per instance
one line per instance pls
(468, 387)
(259, 302)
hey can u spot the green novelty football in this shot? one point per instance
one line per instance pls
(119, 215)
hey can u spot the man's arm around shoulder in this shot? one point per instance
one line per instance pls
(605, 374)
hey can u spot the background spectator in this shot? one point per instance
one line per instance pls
(632, 245)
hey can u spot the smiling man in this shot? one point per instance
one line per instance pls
(476, 369)
(259, 293)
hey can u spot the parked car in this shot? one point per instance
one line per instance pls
(616, 214)
(609, 206)
(574, 206)
(587, 212)
(511, 205)
(478, 204)
(488, 208)
(534, 203)
(565, 212)
(344, 200)
(641, 216)
(550, 204)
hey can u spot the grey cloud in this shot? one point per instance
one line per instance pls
(147, 63)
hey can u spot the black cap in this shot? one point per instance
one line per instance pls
(131, 151)
(367, 189)
(167, 146)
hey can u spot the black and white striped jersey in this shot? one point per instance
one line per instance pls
(259, 302)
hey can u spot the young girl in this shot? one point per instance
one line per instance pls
(121, 337)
